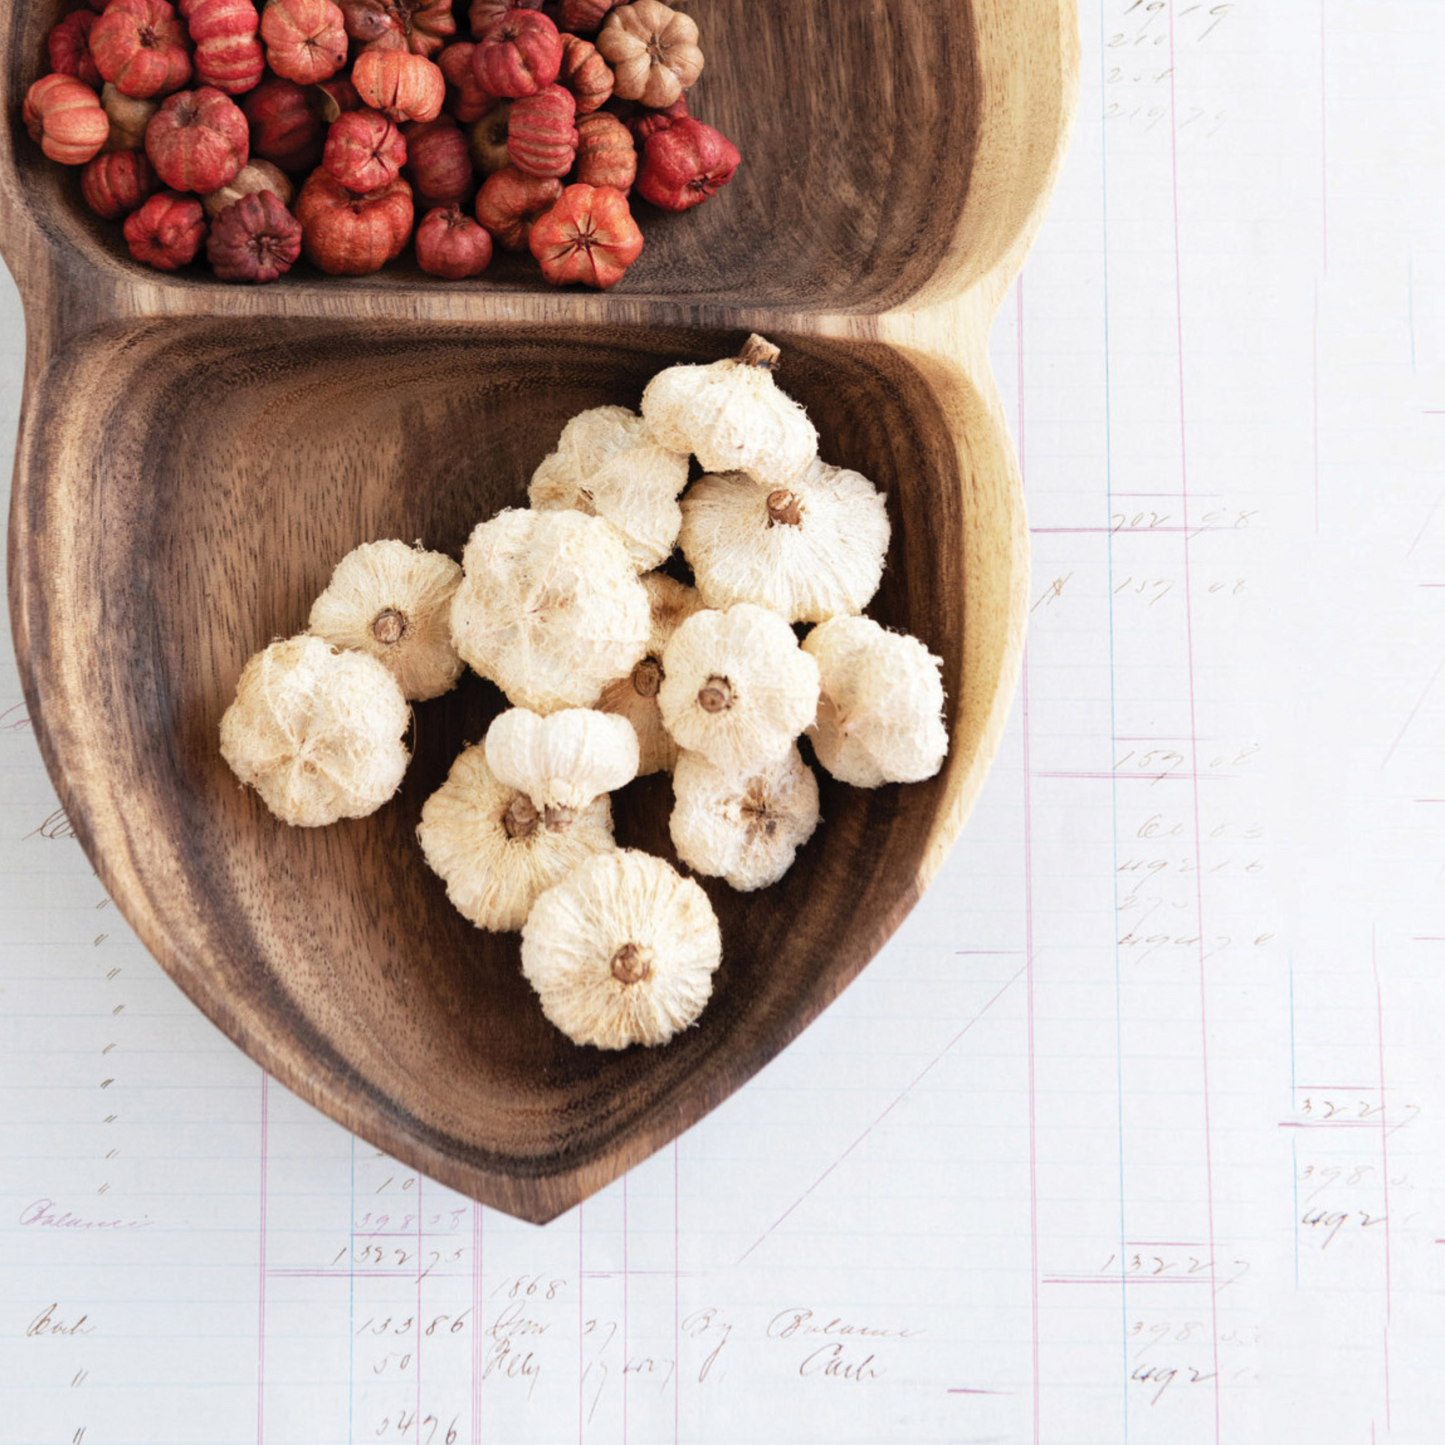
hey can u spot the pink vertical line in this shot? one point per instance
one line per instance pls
(624, 1310)
(1315, 349)
(1384, 1155)
(418, 1304)
(580, 1326)
(1029, 936)
(1193, 734)
(1324, 162)
(476, 1324)
(261, 1303)
(676, 1312)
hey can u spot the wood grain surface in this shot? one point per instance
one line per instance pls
(194, 459)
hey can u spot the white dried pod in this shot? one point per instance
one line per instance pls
(609, 465)
(635, 696)
(564, 760)
(316, 731)
(495, 851)
(810, 550)
(550, 607)
(731, 415)
(880, 716)
(745, 827)
(394, 602)
(736, 686)
(622, 951)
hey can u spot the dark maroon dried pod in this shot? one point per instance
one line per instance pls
(257, 239)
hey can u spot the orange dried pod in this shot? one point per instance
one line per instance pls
(589, 236)
(510, 202)
(305, 39)
(541, 138)
(228, 54)
(451, 245)
(198, 140)
(117, 183)
(605, 153)
(653, 52)
(399, 84)
(364, 150)
(140, 47)
(585, 73)
(167, 231)
(65, 116)
(349, 235)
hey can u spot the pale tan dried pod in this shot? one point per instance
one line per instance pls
(880, 715)
(394, 602)
(564, 760)
(622, 951)
(732, 416)
(550, 608)
(635, 696)
(609, 465)
(736, 686)
(256, 175)
(495, 851)
(745, 827)
(810, 550)
(316, 731)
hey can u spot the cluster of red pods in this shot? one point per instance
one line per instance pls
(196, 128)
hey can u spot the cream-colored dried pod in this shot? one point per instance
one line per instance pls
(635, 696)
(744, 827)
(394, 602)
(495, 851)
(736, 686)
(551, 607)
(609, 465)
(811, 550)
(564, 760)
(731, 415)
(622, 951)
(880, 716)
(316, 731)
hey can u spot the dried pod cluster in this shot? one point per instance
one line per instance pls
(610, 675)
(388, 123)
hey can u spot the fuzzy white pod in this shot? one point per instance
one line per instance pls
(622, 951)
(493, 849)
(736, 686)
(744, 827)
(317, 732)
(810, 550)
(394, 602)
(731, 415)
(608, 464)
(564, 760)
(880, 715)
(635, 696)
(550, 607)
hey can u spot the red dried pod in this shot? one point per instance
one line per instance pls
(117, 183)
(605, 153)
(438, 163)
(198, 140)
(586, 15)
(685, 164)
(228, 52)
(364, 150)
(285, 128)
(483, 13)
(509, 203)
(645, 123)
(518, 55)
(305, 39)
(421, 26)
(585, 73)
(257, 239)
(167, 231)
(349, 235)
(589, 236)
(399, 84)
(65, 115)
(452, 245)
(69, 47)
(487, 139)
(140, 47)
(541, 138)
(466, 99)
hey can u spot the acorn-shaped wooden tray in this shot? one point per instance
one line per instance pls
(194, 458)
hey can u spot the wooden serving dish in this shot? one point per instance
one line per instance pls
(195, 457)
